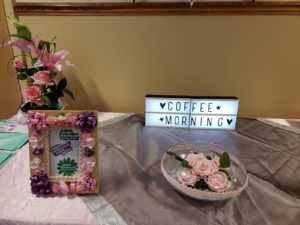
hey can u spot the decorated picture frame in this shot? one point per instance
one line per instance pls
(63, 149)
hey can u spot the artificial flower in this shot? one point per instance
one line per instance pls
(56, 188)
(88, 142)
(38, 151)
(64, 188)
(18, 64)
(41, 77)
(86, 122)
(86, 184)
(37, 121)
(40, 184)
(36, 141)
(205, 167)
(22, 44)
(37, 163)
(41, 66)
(53, 61)
(218, 182)
(88, 152)
(193, 158)
(186, 176)
(88, 164)
(32, 94)
(204, 172)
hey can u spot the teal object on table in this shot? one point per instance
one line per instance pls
(4, 158)
(12, 141)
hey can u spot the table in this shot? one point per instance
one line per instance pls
(133, 190)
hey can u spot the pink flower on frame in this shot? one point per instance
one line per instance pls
(64, 188)
(37, 122)
(56, 188)
(36, 141)
(86, 184)
(88, 164)
(37, 163)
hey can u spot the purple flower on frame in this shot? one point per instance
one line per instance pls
(38, 151)
(86, 122)
(88, 152)
(40, 184)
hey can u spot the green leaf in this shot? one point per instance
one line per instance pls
(47, 100)
(21, 29)
(177, 157)
(34, 60)
(43, 68)
(20, 70)
(19, 36)
(62, 84)
(171, 153)
(25, 106)
(201, 184)
(186, 164)
(52, 74)
(69, 93)
(21, 76)
(225, 160)
(58, 93)
(31, 81)
(208, 157)
(44, 44)
(31, 71)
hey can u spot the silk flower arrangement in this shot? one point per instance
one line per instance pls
(43, 89)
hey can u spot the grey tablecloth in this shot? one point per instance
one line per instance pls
(132, 182)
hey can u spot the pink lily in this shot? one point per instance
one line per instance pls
(51, 61)
(18, 64)
(22, 44)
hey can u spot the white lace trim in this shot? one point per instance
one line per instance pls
(102, 210)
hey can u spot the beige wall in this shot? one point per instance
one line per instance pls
(119, 59)
(9, 91)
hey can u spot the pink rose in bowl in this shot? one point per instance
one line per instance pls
(186, 177)
(32, 94)
(218, 182)
(205, 167)
(193, 158)
(41, 77)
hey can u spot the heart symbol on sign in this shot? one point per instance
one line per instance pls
(162, 105)
(229, 121)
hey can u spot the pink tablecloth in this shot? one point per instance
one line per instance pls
(19, 206)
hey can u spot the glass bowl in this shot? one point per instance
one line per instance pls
(237, 172)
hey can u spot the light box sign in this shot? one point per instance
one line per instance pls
(191, 112)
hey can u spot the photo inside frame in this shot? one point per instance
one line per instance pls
(64, 152)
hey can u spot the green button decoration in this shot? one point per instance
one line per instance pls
(67, 167)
